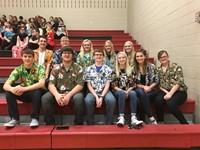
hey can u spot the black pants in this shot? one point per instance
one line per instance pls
(33, 97)
(172, 104)
(49, 103)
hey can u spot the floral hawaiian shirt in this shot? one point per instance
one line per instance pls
(84, 62)
(65, 79)
(172, 77)
(124, 81)
(99, 78)
(20, 73)
(151, 75)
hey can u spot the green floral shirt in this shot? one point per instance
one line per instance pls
(84, 62)
(172, 77)
(20, 73)
(65, 79)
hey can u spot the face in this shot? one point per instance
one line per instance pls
(22, 30)
(42, 43)
(98, 56)
(164, 58)
(128, 47)
(86, 46)
(28, 60)
(140, 57)
(121, 59)
(67, 56)
(108, 47)
(64, 42)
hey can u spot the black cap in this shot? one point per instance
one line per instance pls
(67, 49)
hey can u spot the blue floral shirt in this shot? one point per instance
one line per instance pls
(99, 78)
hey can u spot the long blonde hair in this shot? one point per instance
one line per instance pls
(82, 50)
(131, 54)
(128, 68)
(112, 53)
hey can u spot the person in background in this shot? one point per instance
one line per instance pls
(22, 42)
(8, 35)
(173, 91)
(123, 85)
(50, 38)
(98, 78)
(84, 58)
(61, 30)
(129, 50)
(43, 56)
(110, 55)
(32, 79)
(147, 80)
(65, 85)
(33, 40)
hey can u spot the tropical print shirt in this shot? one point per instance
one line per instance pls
(84, 62)
(48, 56)
(151, 75)
(99, 78)
(123, 81)
(111, 63)
(57, 59)
(20, 73)
(65, 79)
(172, 77)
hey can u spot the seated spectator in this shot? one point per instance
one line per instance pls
(123, 86)
(22, 42)
(129, 50)
(65, 85)
(61, 30)
(33, 41)
(173, 91)
(110, 56)
(32, 79)
(43, 56)
(7, 38)
(50, 38)
(98, 78)
(147, 80)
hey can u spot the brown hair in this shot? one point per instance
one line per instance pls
(162, 52)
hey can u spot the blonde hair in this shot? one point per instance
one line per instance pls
(82, 50)
(112, 53)
(128, 68)
(131, 54)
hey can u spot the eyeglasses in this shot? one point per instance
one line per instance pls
(163, 57)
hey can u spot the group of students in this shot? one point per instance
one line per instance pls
(95, 77)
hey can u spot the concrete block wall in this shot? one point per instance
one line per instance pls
(170, 25)
(77, 14)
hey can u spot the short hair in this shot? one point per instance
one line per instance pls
(27, 51)
(98, 51)
(66, 49)
(64, 37)
(43, 37)
(162, 52)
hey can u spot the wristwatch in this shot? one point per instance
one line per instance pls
(101, 96)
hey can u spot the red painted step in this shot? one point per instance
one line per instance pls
(6, 61)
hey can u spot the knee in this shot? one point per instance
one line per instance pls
(78, 100)
(132, 94)
(89, 99)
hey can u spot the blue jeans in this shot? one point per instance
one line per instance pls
(90, 103)
(121, 97)
(145, 100)
(49, 102)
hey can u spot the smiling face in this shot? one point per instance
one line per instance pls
(42, 43)
(67, 56)
(163, 58)
(121, 59)
(128, 46)
(108, 47)
(140, 57)
(86, 46)
(28, 60)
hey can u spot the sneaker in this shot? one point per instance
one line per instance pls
(34, 123)
(121, 121)
(153, 122)
(134, 121)
(12, 123)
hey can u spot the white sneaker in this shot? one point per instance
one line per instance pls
(34, 123)
(12, 123)
(121, 121)
(134, 121)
